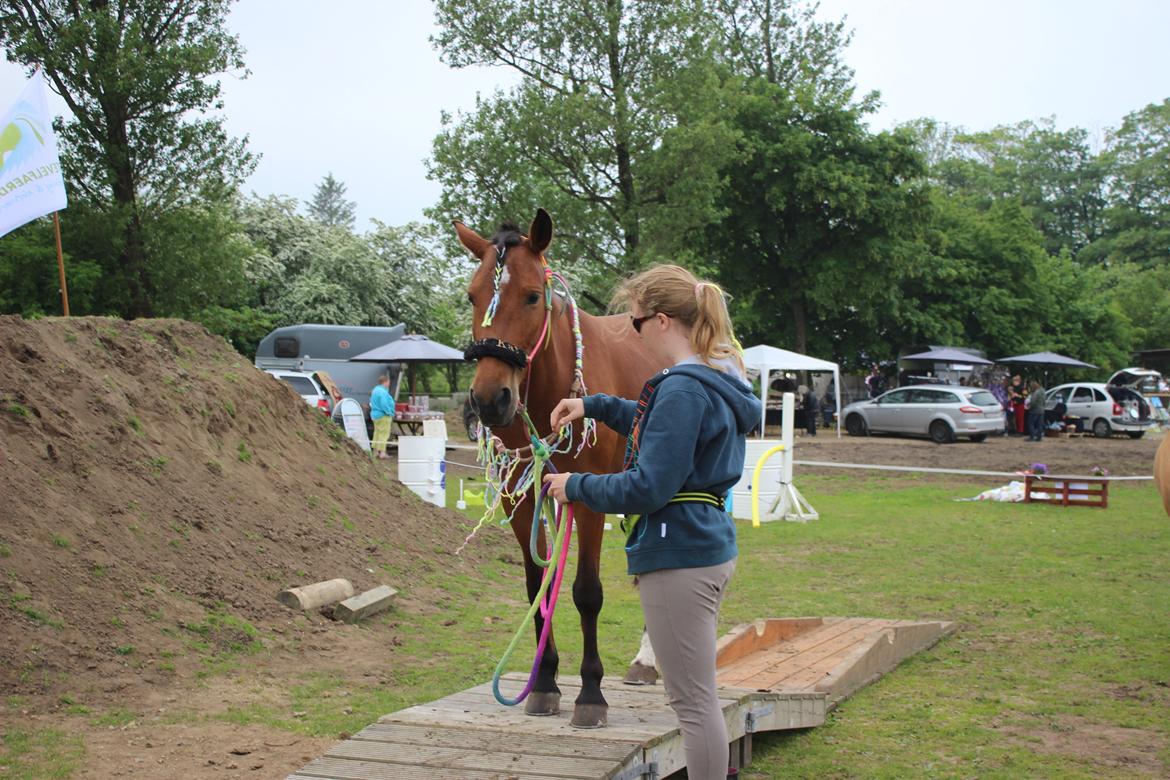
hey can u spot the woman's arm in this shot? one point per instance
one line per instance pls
(666, 458)
(617, 413)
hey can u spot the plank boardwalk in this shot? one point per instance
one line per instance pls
(773, 674)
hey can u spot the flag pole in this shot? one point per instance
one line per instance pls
(61, 266)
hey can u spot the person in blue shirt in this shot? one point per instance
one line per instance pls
(685, 451)
(382, 413)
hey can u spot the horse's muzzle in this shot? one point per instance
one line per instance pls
(497, 411)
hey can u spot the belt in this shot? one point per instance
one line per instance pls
(629, 522)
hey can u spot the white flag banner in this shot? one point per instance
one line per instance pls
(30, 171)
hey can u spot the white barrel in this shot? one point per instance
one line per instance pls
(421, 467)
(741, 494)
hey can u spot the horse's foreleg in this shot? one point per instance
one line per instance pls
(590, 710)
(545, 698)
(644, 668)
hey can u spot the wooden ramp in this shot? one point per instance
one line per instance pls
(773, 674)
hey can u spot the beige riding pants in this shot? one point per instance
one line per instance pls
(681, 607)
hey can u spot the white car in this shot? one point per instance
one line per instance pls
(307, 387)
(942, 412)
(1144, 380)
(1102, 409)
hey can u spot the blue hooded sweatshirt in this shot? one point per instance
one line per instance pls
(690, 438)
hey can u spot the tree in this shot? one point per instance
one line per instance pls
(1053, 173)
(821, 222)
(1138, 216)
(609, 91)
(138, 78)
(329, 206)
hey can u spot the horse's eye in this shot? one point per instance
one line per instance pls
(533, 299)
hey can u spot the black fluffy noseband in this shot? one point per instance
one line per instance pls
(501, 350)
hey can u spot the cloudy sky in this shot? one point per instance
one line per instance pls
(354, 88)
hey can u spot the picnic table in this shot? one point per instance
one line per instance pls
(411, 423)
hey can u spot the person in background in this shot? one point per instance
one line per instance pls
(828, 404)
(1003, 393)
(1035, 403)
(811, 407)
(1018, 392)
(382, 413)
(875, 382)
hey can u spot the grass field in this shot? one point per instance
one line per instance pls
(1062, 662)
(1060, 667)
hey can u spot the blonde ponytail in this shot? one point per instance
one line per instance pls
(699, 304)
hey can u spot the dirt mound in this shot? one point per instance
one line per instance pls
(157, 491)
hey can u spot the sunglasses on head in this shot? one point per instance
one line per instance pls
(637, 321)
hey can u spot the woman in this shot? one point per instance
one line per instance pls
(685, 451)
(1018, 394)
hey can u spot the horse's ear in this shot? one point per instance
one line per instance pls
(540, 232)
(474, 242)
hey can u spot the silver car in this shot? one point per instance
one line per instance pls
(942, 412)
(1102, 409)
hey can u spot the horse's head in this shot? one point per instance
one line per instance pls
(511, 266)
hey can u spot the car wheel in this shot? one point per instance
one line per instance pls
(1135, 434)
(1101, 428)
(979, 437)
(941, 433)
(470, 420)
(855, 425)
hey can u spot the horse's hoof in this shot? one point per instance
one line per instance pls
(589, 716)
(542, 705)
(640, 674)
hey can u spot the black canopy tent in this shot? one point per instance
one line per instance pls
(411, 350)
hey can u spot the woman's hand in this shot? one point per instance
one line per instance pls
(556, 482)
(566, 411)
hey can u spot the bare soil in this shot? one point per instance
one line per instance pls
(156, 493)
(1121, 455)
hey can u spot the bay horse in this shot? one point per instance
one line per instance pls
(515, 366)
(1162, 471)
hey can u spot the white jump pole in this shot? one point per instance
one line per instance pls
(790, 504)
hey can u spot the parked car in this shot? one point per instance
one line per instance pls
(942, 412)
(307, 387)
(1144, 380)
(1103, 409)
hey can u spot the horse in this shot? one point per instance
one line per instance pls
(1162, 471)
(517, 364)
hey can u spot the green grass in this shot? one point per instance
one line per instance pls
(1061, 612)
(39, 754)
(243, 453)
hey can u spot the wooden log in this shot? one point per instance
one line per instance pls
(319, 594)
(363, 605)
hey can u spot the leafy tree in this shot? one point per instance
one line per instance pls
(29, 280)
(821, 222)
(1054, 174)
(613, 96)
(1138, 217)
(329, 206)
(138, 78)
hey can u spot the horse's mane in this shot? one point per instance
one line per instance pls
(508, 235)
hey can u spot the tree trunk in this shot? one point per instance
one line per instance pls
(133, 257)
(626, 189)
(800, 323)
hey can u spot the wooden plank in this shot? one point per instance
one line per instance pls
(478, 739)
(874, 659)
(735, 673)
(460, 758)
(743, 673)
(622, 726)
(365, 604)
(747, 638)
(342, 769)
(796, 672)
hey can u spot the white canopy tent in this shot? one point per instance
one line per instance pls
(764, 359)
